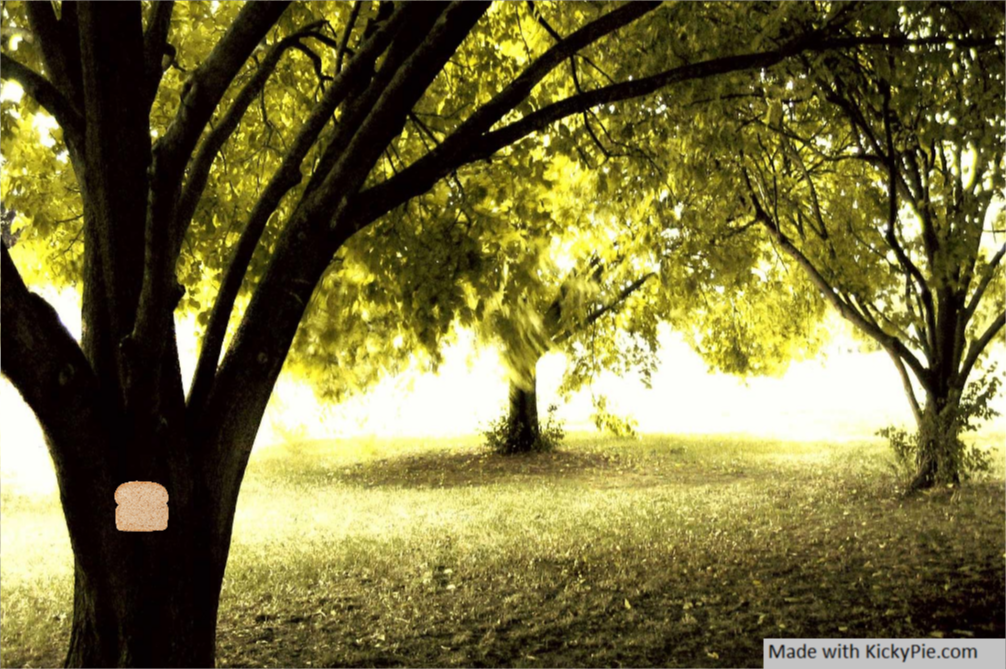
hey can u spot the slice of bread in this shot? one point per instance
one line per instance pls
(142, 507)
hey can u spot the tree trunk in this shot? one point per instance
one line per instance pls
(140, 598)
(523, 432)
(939, 447)
(149, 598)
(113, 409)
(163, 615)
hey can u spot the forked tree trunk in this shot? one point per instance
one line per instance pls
(148, 598)
(140, 598)
(113, 408)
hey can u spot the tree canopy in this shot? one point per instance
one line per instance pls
(349, 181)
(878, 172)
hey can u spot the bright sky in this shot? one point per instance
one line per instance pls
(842, 395)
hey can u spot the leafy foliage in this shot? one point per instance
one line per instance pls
(352, 182)
(877, 172)
(605, 421)
(511, 246)
(632, 186)
(504, 247)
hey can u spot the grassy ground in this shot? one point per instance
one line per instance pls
(668, 551)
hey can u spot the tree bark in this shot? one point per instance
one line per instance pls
(523, 430)
(112, 408)
(155, 606)
(140, 598)
(938, 436)
(939, 427)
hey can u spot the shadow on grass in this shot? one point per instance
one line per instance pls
(452, 469)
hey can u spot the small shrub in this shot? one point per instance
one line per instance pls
(904, 446)
(506, 439)
(954, 460)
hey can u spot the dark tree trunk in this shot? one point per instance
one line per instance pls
(160, 613)
(523, 432)
(113, 408)
(140, 598)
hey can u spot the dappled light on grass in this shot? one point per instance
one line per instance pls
(411, 552)
(531, 562)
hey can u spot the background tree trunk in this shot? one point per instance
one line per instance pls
(523, 430)
(938, 436)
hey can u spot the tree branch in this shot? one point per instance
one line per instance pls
(593, 316)
(878, 158)
(50, 371)
(315, 62)
(309, 240)
(978, 345)
(864, 309)
(987, 275)
(384, 106)
(822, 229)
(366, 90)
(452, 152)
(54, 43)
(540, 18)
(202, 93)
(47, 95)
(906, 381)
(155, 45)
(199, 169)
(206, 86)
(851, 314)
(892, 217)
(576, 85)
(344, 40)
(466, 147)
(286, 177)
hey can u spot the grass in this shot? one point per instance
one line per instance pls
(665, 551)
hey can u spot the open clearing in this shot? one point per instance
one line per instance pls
(666, 551)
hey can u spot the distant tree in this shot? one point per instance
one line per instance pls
(878, 172)
(535, 317)
(176, 181)
(576, 264)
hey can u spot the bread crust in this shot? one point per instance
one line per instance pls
(142, 506)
